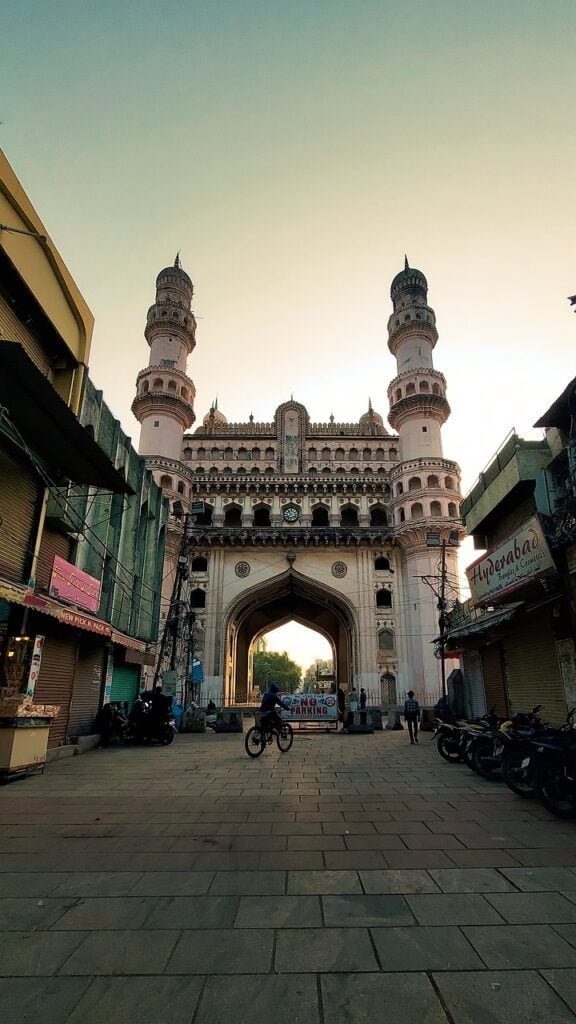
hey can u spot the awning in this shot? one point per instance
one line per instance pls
(68, 616)
(49, 427)
(483, 623)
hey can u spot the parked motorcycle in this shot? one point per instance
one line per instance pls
(503, 738)
(554, 770)
(455, 739)
(148, 724)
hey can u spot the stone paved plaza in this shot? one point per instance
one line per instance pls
(356, 878)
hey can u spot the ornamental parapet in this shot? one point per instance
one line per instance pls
(423, 402)
(314, 536)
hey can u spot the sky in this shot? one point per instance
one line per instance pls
(293, 151)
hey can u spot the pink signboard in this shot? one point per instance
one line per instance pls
(74, 586)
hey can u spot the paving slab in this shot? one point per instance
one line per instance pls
(248, 883)
(554, 879)
(521, 946)
(232, 951)
(122, 953)
(452, 909)
(345, 911)
(279, 912)
(259, 998)
(398, 881)
(42, 912)
(534, 907)
(321, 883)
(171, 883)
(49, 1000)
(425, 949)
(359, 998)
(502, 997)
(564, 983)
(324, 949)
(29, 954)
(472, 880)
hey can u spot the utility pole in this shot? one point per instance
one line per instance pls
(434, 540)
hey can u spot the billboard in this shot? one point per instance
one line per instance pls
(311, 707)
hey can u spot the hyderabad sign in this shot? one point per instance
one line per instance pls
(511, 564)
(311, 707)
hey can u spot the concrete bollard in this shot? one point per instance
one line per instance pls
(229, 721)
(359, 721)
(376, 716)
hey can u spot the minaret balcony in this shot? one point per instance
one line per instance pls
(164, 402)
(420, 380)
(423, 404)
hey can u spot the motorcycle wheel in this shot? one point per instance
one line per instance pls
(448, 749)
(285, 737)
(482, 756)
(166, 735)
(558, 795)
(467, 749)
(516, 777)
(254, 742)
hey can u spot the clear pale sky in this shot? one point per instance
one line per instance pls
(294, 151)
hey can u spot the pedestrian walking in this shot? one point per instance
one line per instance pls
(362, 699)
(412, 716)
(353, 699)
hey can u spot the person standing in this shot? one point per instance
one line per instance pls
(362, 699)
(412, 715)
(341, 698)
(353, 700)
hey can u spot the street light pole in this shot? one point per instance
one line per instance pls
(442, 618)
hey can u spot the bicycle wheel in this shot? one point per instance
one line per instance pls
(254, 741)
(285, 737)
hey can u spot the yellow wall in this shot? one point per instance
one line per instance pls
(42, 269)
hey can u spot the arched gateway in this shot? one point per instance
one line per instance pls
(326, 523)
(289, 596)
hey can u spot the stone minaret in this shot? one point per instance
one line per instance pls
(425, 485)
(164, 402)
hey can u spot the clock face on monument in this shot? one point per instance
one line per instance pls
(291, 513)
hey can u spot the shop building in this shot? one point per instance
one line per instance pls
(516, 634)
(81, 519)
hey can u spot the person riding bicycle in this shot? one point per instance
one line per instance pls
(269, 717)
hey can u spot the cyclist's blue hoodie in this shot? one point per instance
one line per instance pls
(271, 699)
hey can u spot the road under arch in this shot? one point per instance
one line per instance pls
(290, 596)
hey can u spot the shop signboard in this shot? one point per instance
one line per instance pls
(311, 707)
(511, 564)
(68, 583)
(80, 621)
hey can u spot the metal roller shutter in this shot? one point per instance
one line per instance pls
(494, 679)
(19, 504)
(532, 668)
(87, 687)
(474, 699)
(56, 677)
(125, 680)
(53, 543)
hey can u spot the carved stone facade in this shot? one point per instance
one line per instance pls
(324, 523)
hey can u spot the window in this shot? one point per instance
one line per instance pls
(399, 489)
(187, 454)
(381, 564)
(312, 454)
(433, 481)
(199, 564)
(340, 454)
(172, 386)
(205, 518)
(168, 362)
(216, 453)
(367, 454)
(228, 454)
(180, 487)
(349, 517)
(326, 454)
(388, 693)
(269, 453)
(386, 640)
(256, 453)
(158, 384)
(262, 516)
(156, 423)
(435, 508)
(393, 454)
(201, 453)
(414, 483)
(200, 471)
(424, 385)
(416, 512)
(327, 469)
(424, 430)
(320, 516)
(449, 483)
(435, 389)
(402, 515)
(145, 386)
(233, 516)
(398, 395)
(166, 481)
(410, 389)
(353, 454)
(378, 516)
(184, 394)
(452, 509)
(383, 598)
(354, 470)
(198, 598)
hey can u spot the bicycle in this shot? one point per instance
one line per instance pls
(258, 737)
